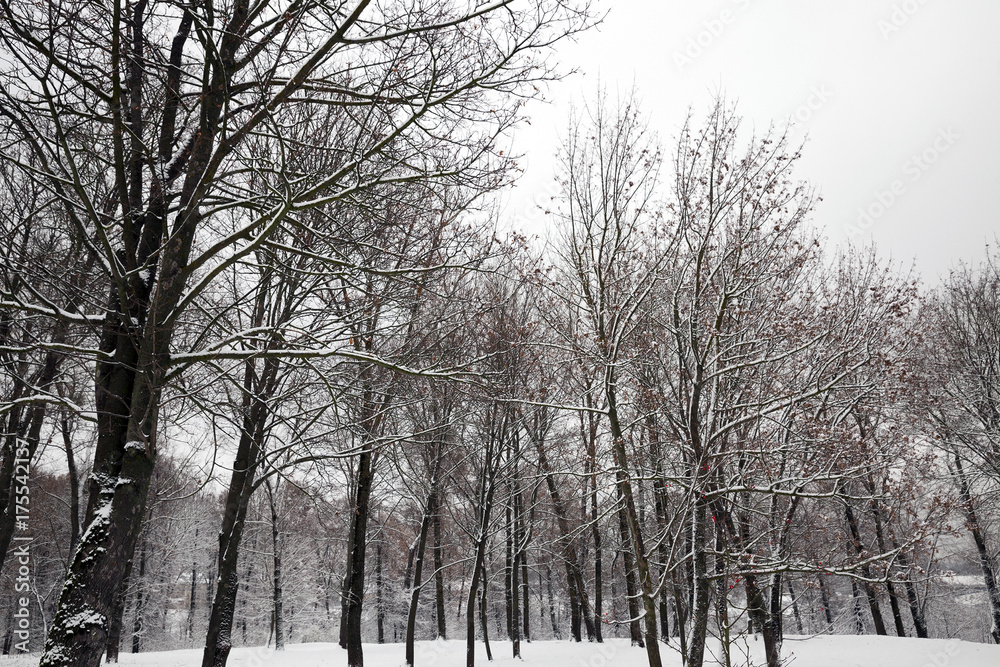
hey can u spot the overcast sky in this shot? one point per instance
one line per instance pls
(904, 98)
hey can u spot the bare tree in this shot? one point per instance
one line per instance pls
(138, 121)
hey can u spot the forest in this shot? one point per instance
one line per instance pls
(278, 367)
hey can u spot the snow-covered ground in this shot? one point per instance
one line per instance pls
(826, 651)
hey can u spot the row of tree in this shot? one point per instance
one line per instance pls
(260, 238)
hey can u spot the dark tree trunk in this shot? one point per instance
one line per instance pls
(919, 622)
(525, 586)
(483, 623)
(193, 603)
(278, 606)
(442, 627)
(379, 596)
(624, 486)
(140, 606)
(356, 565)
(701, 586)
(722, 596)
(680, 619)
(589, 424)
(660, 502)
(23, 432)
(825, 598)
(859, 623)
(74, 485)
(579, 605)
(985, 561)
(897, 616)
(552, 609)
(218, 641)
(487, 489)
(631, 596)
(795, 608)
(418, 568)
(115, 621)
(514, 570)
(515, 607)
(508, 571)
(870, 592)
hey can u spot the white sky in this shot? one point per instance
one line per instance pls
(897, 75)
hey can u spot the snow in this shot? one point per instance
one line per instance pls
(823, 651)
(83, 619)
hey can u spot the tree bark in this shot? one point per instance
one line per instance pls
(418, 568)
(514, 583)
(379, 596)
(919, 622)
(140, 606)
(356, 564)
(628, 565)
(249, 453)
(483, 622)
(639, 551)
(579, 604)
(701, 586)
(115, 621)
(278, 606)
(795, 607)
(985, 561)
(825, 598)
(870, 591)
(552, 609)
(74, 485)
(442, 627)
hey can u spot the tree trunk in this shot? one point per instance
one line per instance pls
(193, 603)
(442, 627)
(525, 594)
(483, 623)
(508, 571)
(74, 485)
(218, 641)
(552, 609)
(515, 584)
(870, 591)
(897, 617)
(625, 493)
(701, 585)
(631, 596)
(22, 438)
(758, 608)
(379, 595)
(278, 608)
(487, 488)
(919, 622)
(859, 624)
(115, 622)
(590, 436)
(140, 606)
(825, 598)
(795, 607)
(418, 568)
(579, 605)
(722, 596)
(356, 565)
(985, 561)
